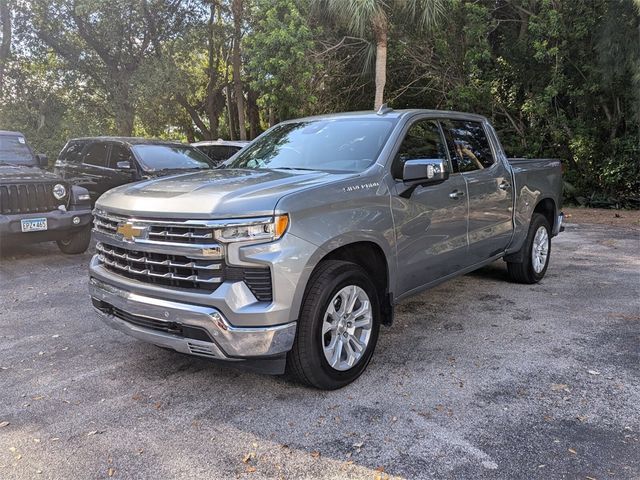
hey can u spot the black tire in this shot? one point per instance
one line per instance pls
(76, 243)
(306, 362)
(523, 271)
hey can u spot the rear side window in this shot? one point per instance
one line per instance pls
(468, 145)
(423, 141)
(219, 153)
(73, 152)
(96, 154)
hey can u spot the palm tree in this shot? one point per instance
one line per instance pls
(365, 17)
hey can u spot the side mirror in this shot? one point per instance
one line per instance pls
(42, 160)
(123, 165)
(428, 171)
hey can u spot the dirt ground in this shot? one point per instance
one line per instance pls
(602, 216)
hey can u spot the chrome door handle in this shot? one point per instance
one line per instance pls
(456, 194)
(504, 186)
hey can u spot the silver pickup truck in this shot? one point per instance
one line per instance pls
(293, 253)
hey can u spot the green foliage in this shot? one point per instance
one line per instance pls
(557, 78)
(277, 57)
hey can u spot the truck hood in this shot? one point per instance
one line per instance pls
(24, 173)
(220, 193)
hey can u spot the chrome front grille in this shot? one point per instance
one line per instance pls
(162, 269)
(176, 254)
(162, 231)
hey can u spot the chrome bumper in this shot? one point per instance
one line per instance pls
(558, 226)
(228, 342)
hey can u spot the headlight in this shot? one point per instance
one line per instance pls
(59, 191)
(263, 231)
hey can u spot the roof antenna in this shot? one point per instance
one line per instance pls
(384, 109)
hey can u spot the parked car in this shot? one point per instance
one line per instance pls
(36, 205)
(294, 252)
(220, 150)
(102, 163)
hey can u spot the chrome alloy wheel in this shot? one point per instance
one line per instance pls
(346, 327)
(540, 249)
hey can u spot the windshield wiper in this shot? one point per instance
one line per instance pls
(295, 168)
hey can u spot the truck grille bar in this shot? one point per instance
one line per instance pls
(161, 269)
(169, 232)
(36, 197)
(193, 274)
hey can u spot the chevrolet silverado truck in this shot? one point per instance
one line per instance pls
(291, 255)
(36, 205)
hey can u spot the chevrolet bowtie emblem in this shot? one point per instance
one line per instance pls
(130, 232)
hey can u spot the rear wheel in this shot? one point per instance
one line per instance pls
(76, 243)
(535, 253)
(338, 327)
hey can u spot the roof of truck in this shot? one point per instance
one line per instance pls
(8, 132)
(386, 112)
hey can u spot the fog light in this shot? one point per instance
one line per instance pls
(76, 220)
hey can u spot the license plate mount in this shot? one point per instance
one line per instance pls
(33, 224)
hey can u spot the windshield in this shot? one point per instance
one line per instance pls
(153, 158)
(342, 145)
(14, 150)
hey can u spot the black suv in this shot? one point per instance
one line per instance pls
(102, 163)
(36, 205)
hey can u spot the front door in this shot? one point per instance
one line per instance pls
(431, 224)
(488, 185)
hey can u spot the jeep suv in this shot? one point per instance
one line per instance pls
(36, 205)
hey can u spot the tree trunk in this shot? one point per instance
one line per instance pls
(123, 108)
(124, 118)
(236, 60)
(5, 46)
(233, 135)
(253, 113)
(213, 113)
(272, 117)
(380, 30)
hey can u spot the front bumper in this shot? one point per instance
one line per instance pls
(191, 329)
(59, 224)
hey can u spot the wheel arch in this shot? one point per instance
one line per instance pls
(370, 256)
(547, 207)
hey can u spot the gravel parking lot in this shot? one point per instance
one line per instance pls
(478, 378)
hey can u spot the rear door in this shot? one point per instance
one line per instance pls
(430, 225)
(94, 171)
(488, 186)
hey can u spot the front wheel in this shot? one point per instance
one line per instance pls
(76, 243)
(536, 252)
(338, 327)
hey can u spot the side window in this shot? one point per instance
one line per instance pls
(422, 141)
(73, 152)
(96, 154)
(120, 153)
(468, 145)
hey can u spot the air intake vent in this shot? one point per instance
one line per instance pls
(199, 349)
